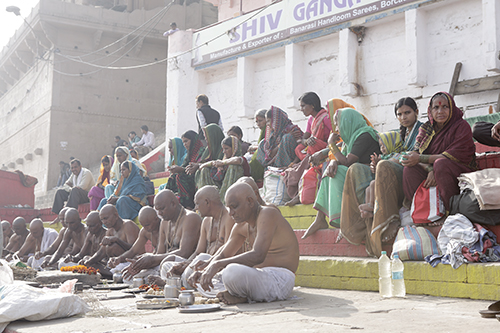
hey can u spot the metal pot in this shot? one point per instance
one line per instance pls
(117, 278)
(137, 282)
(174, 281)
(186, 297)
(171, 292)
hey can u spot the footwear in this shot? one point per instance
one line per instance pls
(492, 312)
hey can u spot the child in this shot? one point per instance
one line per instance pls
(390, 146)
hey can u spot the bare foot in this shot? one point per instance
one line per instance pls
(156, 279)
(293, 202)
(226, 298)
(318, 223)
(390, 232)
(366, 210)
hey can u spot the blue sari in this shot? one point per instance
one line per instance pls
(179, 152)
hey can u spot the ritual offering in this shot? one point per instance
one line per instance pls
(157, 304)
(153, 291)
(80, 269)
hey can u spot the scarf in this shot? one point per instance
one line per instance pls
(392, 141)
(179, 152)
(214, 137)
(104, 176)
(351, 125)
(412, 137)
(133, 186)
(115, 169)
(280, 125)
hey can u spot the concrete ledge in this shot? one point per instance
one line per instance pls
(475, 281)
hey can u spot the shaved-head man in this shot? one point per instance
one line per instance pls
(266, 271)
(7, 233)
(179, 232)
(119, 238)
(255, 188)
(55, 245)
(38, 239)
(18, 238)
(215, 230)
(76, 232)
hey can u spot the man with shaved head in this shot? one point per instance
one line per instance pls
(250, 181)
(266, 271)
(38, 239)
(76, 232)
(119, 238)
(179, 233)
(215, 230)
(18, 238)
(7, 233)
(55, 245)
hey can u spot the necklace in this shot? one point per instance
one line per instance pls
(169, 240)
(218, 229)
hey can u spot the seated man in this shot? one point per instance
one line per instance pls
(119, 238)
(55, 245)
(7, 232)
(146, 143)
(179, 233)
(78, 187)
(76, 232)
(250, 181)
(91, 244)
(18, 238)
(132, 138)
(215, 230)
(487, 133)
(150, 231)
(39, 239)
(266, 271)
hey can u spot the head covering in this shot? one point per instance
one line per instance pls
(104, 176)
(214, 137)
(115, 169)
(179, 152)
(392, 141)
(236, 147)
(280, 125)
(351, 125)
(132, 186)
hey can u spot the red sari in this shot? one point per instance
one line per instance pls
(455, 142)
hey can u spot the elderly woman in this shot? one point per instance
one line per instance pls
(96, 193)
(360, 141)
(383, 225)
(122, 154)
(181, 180)
(256, 169)
(224, 173)
(278, 147)
(444, 149)
(130, 194)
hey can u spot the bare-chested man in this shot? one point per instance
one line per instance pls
(119, 238)
(76, 232)
(7, 232)
(255, 188)
(179, 233)
(55, 245)
(215, 230)
(18, 238)
(150, 231)
(266, 271)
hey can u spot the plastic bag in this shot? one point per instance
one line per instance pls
(6, 274)
(427, 205)
(274, 189)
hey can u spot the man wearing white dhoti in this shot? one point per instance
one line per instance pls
(39, 239)
(266, 271)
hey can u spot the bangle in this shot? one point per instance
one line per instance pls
(333, 148)
(424, 158)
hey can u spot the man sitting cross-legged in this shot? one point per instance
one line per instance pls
(38, 239)
(76, 232)
(91, 245)
(215, 230)
(179, 233)
(7, 233)
(266, 271)
(120, 236)
(18, 238)
(45, 254)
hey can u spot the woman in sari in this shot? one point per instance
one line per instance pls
(177, 151)
(278, 147)
(122, 154)
(181, 180)
(214, 136)
(388, 174)
(130, 194)
(360, 141)
(96, 193)
(444, 149)
(256, 169)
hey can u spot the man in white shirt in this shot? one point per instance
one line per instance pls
(173, 29)
(75, 189)
(205, 114)
(147, 142)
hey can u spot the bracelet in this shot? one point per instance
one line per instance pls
(424, 158)
(333, 148)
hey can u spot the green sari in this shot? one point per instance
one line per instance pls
(256, 169)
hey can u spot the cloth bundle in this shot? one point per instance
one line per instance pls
(486, 186)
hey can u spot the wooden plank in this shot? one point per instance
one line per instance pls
(478, 85)
(454, 80)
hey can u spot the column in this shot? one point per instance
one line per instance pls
(245, 83)
(294, 74)
(348, 46)
(491, 34)
(415, 25)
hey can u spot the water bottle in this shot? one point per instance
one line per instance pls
(398, 281)
(384, 275)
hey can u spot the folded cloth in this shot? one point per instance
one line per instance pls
(486, 186)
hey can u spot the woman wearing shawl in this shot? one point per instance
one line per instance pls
(224, 173)
(177, 151)
(96, 193)
(214, 136)
(181, 180)
(356, 224)
(278, 147)
(256, 169)
(122, 154)
(444, 149)
(360, 141)
(130, 194)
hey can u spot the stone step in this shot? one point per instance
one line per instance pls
(475, 281)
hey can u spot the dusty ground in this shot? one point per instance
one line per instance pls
(311, 310)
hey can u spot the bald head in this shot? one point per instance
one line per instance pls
(240, 191)
(73, 220)
(108, 209)
(250, 181)
(36, 228)
(165, 196)
(109, 215)
(242, 202)
(6, 226)
(149, 219)
(19, 226)
(166, 204)
(94, 223)
(208, 192)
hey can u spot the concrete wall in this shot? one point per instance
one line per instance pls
(405, 53)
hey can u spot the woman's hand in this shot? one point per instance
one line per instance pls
(297, 133)
(374, 161)
(317, 158)
(333, 138)
(311, 141)
(192, 168)
(218, 164)
(410, 159)
(430, 181)
(176, 169)
(207, 165)
(331, 169)
(252, 149)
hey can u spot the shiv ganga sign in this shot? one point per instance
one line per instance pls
(281, 20)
